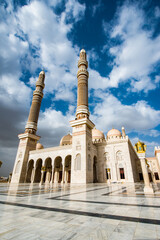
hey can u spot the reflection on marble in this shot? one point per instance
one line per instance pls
(92, 211)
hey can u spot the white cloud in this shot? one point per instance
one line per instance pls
(96, 7)
(137, 54)
(96, 81)
(55, 52)
(14, 92)
(53, 125)
(74, 10)
(151, 133)
(157, 12)
(13, 51)
(110, 112)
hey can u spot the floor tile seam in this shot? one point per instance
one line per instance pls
(105, 203)
(95, 189)
(88, 214)
(68, 194)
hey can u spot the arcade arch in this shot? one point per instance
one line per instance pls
(30, 171)
(58, 170)
(95, 180)
(67, 169)
(37, 177)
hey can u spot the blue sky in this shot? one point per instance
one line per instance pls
(122, 41)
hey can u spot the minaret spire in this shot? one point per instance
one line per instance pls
(31, 126)
(82, 92)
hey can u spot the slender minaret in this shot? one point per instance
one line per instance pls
(82, 76)
(31, 126)
(82, 161)
(28, 140)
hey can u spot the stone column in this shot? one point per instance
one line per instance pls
(82, 90)
(31, 125)
(66, 176)
(56, 176)
(33, 175)
(52, 173)
(47, 176)
(148, 187)
(63, 173)
(42, 176)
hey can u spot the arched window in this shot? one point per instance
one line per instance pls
(17, 167)
(89, 163)
(106, 157)
(119, 156)
(77, 163)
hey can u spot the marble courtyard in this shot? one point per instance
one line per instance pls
(92, 211)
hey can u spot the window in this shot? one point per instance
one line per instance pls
(122, 173)
(106, 157)
(77, 163)
(119, 156)
(156, 175)
(140, 176)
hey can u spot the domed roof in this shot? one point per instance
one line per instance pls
(97, 134)
(39, 146)
(66, 140)
(113, 133)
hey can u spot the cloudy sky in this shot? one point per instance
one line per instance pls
(122, 41)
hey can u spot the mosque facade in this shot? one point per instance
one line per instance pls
(86, 156)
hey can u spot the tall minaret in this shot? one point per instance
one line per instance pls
(82, 76)
(82, 155)
(31, 126)
(28, 140)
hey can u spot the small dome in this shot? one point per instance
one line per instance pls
(97, 134)
(66, 140)
(113, 133)
(39, 146)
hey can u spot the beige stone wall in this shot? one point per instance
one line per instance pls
(153, 167)
(108, 158)
(27, 143)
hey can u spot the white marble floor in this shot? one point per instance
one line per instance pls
(93, 211)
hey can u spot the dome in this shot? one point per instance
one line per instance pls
(113, 133)
(39, 146)
(66, 140)
(97, 134)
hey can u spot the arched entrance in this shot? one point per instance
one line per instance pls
(48, 170)
(37, 177)
(67, 169)
(95, 180)
(30, 170)
(58, 170)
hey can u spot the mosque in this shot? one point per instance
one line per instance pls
(86, 156)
